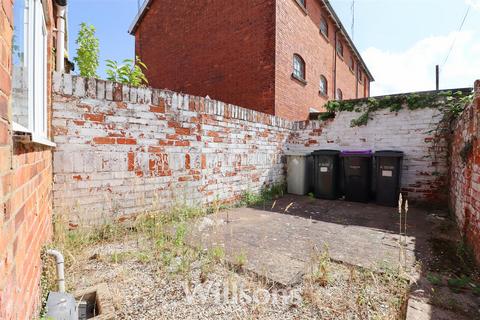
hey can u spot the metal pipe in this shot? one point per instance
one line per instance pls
(60, 261)
(60, 57)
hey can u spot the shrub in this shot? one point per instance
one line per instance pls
(129, 72)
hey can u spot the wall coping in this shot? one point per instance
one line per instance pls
(92, 88)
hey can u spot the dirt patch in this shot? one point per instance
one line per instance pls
(210, 289)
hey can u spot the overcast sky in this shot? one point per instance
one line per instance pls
(400, 40)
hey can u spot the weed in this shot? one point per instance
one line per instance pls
(216, 254)
(320, 266)
(266, 194)
(434, 279)
(240, 260)
(120, 257)
(456, 284)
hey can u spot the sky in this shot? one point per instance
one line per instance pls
(401, 41)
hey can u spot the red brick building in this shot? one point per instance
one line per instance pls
(282, 57)
(27, 39)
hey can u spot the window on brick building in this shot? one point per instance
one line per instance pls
(298, 67)
(351, 64)
(323, 85)
(339, 94)
(359, 75)
(340, 47)
(324, 27)
(303, 3)
(29, 74)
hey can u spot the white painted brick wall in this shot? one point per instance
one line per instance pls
(124, 150)
(425, 166)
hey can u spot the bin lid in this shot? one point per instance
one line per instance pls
(296, 154)
(389, 153)
(325, 152)
(356, 153)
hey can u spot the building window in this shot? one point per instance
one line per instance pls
(339, 95)
(298, 67)
(351, 64)
(303, 3)
(323, 85)
(29, 75)
(339, 47)
(324, 27)
(360, 75)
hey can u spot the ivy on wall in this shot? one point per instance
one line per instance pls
(450, 103)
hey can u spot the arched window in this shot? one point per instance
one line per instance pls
(324, 27)
(298, 67)
(323, 85)
(351, 64)
(339, 95)
(340, 47)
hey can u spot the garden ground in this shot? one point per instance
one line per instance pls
(289, 258)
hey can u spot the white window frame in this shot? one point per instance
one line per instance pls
(36, 55)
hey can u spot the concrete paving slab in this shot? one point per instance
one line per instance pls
(278, 242)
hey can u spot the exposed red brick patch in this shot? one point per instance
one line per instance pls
(182, 131)
(126, 141)
(131, 161)
(157, 109)
(104, 140)
(94, 117)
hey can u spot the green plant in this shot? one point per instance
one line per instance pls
(456, 284)
(129, 72)
(451, 103)
(321, 267)
(266, 194)
(240, 260)
(87, 51)
(326, 115)
(216, 254)
(434, 279)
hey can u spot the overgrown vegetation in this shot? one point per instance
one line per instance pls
(87, 51)
(450, 103)
(129, 72)
(265, 195)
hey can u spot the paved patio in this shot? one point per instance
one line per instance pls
(278, 238)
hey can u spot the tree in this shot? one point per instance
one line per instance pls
(87, 51)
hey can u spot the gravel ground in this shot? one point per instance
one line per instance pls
(143, 288)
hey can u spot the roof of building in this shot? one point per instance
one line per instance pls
(146, 5)
(331, 11)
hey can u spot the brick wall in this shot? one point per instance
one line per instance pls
(25, 194)
(123, 150)
(225, 50)
(465, 173)
(241, 52)
(297, 32)
(425, 167)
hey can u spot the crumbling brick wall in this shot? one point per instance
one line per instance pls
(425, 166)
(25, 193)
(123, 150)
(465, 173)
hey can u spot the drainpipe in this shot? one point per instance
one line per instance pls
(60, 269)
(335, 67)
(61, 6)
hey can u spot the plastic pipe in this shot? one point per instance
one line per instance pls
(60, 261)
